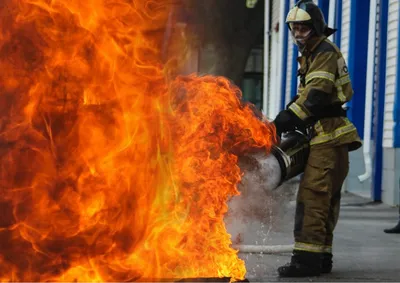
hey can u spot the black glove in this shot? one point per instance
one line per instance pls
(287, 121)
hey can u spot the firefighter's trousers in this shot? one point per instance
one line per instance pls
(318, 198)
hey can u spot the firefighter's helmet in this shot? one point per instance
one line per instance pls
(308, 13)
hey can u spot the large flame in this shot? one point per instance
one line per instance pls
(110, 170)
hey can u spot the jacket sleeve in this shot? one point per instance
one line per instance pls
(319, 86)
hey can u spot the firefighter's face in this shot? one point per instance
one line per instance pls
(300, 32)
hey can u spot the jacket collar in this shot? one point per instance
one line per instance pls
(312, 44)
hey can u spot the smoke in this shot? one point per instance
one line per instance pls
(260, 170)
(261, 206)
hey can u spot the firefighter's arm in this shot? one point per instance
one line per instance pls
(319, 85)
(287, 121)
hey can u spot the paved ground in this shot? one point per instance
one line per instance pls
(362, 251)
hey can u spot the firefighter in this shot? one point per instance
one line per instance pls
(324, 88)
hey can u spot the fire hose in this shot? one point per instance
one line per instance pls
(264, 249)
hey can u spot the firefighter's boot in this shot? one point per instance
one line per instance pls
(394, 230)
(326, 263)
(302, 264)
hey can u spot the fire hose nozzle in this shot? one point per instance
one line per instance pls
(292, 154)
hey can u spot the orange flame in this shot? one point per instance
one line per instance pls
(110, 171)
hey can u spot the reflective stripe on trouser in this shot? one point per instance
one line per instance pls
(318, 198)
(312, 247)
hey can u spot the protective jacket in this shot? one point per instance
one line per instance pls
(324, 87)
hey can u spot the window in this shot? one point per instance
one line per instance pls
(252, 85)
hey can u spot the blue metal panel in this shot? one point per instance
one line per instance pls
(380, 102)
(338, 23)
(293, 90)
(396, 111)
(324, 6)
(284, 59)
(358, 51)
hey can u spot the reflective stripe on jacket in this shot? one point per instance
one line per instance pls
(325, 82)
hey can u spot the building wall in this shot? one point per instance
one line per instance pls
(274, 69)
(275, 12)
(345, 28)
(391, 155)
(357, 162)
(290, 67)
(391, 72)
(391, 176)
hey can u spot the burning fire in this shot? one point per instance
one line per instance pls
(110, 169)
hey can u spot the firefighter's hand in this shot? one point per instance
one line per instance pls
(287, 121)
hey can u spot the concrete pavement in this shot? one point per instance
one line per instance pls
(362, 251)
